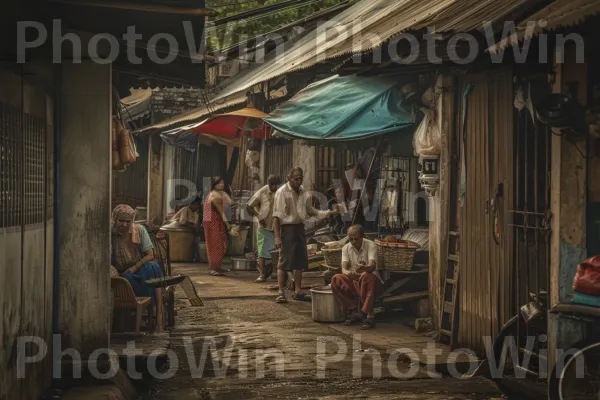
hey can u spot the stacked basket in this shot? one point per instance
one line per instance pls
(333, 257)
(397, 255)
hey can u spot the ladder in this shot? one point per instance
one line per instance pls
(448, 320)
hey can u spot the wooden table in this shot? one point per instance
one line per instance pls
(399, 292)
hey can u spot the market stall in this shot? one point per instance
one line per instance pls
(377, 117)
(236, 130)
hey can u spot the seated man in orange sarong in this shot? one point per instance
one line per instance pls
(359, 284)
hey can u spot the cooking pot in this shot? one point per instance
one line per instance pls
(325, 308)
(243, 264)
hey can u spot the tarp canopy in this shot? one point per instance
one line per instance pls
(343, 108)
(247, 121)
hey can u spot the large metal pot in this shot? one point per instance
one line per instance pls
(243, 264)
(324, 306)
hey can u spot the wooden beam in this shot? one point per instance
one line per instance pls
(405, 297)
(156, 8)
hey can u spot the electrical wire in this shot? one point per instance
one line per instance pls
(231, 4)
(585, 157)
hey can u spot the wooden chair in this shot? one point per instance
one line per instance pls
(125, 299)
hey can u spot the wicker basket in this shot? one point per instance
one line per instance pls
(333, 257)
(396, 256)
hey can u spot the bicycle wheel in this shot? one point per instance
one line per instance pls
(508, 331)
(579, 379)
(513, 339)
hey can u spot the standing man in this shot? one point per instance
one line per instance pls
(359, 284)
(293, 206)
(261, 207)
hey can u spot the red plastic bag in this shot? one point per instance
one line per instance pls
(587, 277)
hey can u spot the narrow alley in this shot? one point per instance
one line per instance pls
(249, 327)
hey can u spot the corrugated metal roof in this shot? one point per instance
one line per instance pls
(195, 114)
(561, 13)
(367, 25)
(137, 105)
(198, 114)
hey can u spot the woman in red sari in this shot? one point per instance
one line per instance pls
(215, 226)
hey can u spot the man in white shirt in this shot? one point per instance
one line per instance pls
(261, 207)
(359, 284)
(188, 216)
(293, 206)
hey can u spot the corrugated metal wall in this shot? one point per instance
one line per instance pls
(502, 173)
(196, 167)
(485, 275)
(279, 158)
(26, 231)
(131, 186)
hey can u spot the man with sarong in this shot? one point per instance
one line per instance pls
(359, 284)
(292, 208)
(261, 207)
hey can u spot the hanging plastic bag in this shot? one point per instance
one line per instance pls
(587, 277)
(427, 138)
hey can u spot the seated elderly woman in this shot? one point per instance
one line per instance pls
(132, 253)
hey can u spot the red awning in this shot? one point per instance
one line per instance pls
(245, 122)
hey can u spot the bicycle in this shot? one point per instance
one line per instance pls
(528, 329)
(575, 379)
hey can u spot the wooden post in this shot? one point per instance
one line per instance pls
(568, 206)
(155, 180)
(439, 205)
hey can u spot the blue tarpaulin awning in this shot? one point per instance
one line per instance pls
(342, 108)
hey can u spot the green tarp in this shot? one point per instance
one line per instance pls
(343, 108)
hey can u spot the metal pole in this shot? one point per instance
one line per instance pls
(362, 192)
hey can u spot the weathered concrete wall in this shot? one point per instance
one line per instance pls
(84, 208)
(26, 239)
(568, 197)
(304, 157)
(439, 208)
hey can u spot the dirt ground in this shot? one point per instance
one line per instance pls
(264, 350)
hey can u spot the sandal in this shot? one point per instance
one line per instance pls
(302, 297)
(353, 319)
(281, 299)
(368, 323)
(218, 272)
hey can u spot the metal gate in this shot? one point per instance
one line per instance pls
(331, 164)
(530, 217)
(26, 229)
